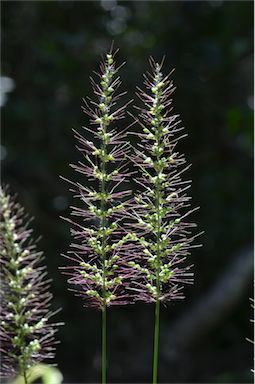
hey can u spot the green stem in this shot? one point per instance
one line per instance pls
(106, 101)
(104, 345)
(156, 343)
(104, 240)
(157, 305)
(25, 375)
(158, 239)
(104, 296)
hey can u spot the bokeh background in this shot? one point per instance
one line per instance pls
(49, 49)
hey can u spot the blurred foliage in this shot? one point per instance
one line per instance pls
(49, 49)
(46, 373)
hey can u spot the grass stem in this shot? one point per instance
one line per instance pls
(156, 343)
(104, 345)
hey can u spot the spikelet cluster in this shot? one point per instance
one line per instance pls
(99, 240)
(26, 335)
(159, 211)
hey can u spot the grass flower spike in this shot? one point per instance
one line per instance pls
(97, 271)
(164, 237)
(26, 335)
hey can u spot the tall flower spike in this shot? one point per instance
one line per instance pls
(26, 335)
(97, 271)
(164, 238)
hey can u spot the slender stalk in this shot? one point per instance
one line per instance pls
(103, 225)
(25, 376)
(157, 304)
(158, 261)
(104, 345)
(156, 343)
(23, 365)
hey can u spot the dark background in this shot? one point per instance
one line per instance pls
(49, 49)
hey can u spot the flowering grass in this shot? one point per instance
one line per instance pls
(27, 335)
(161, 207)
